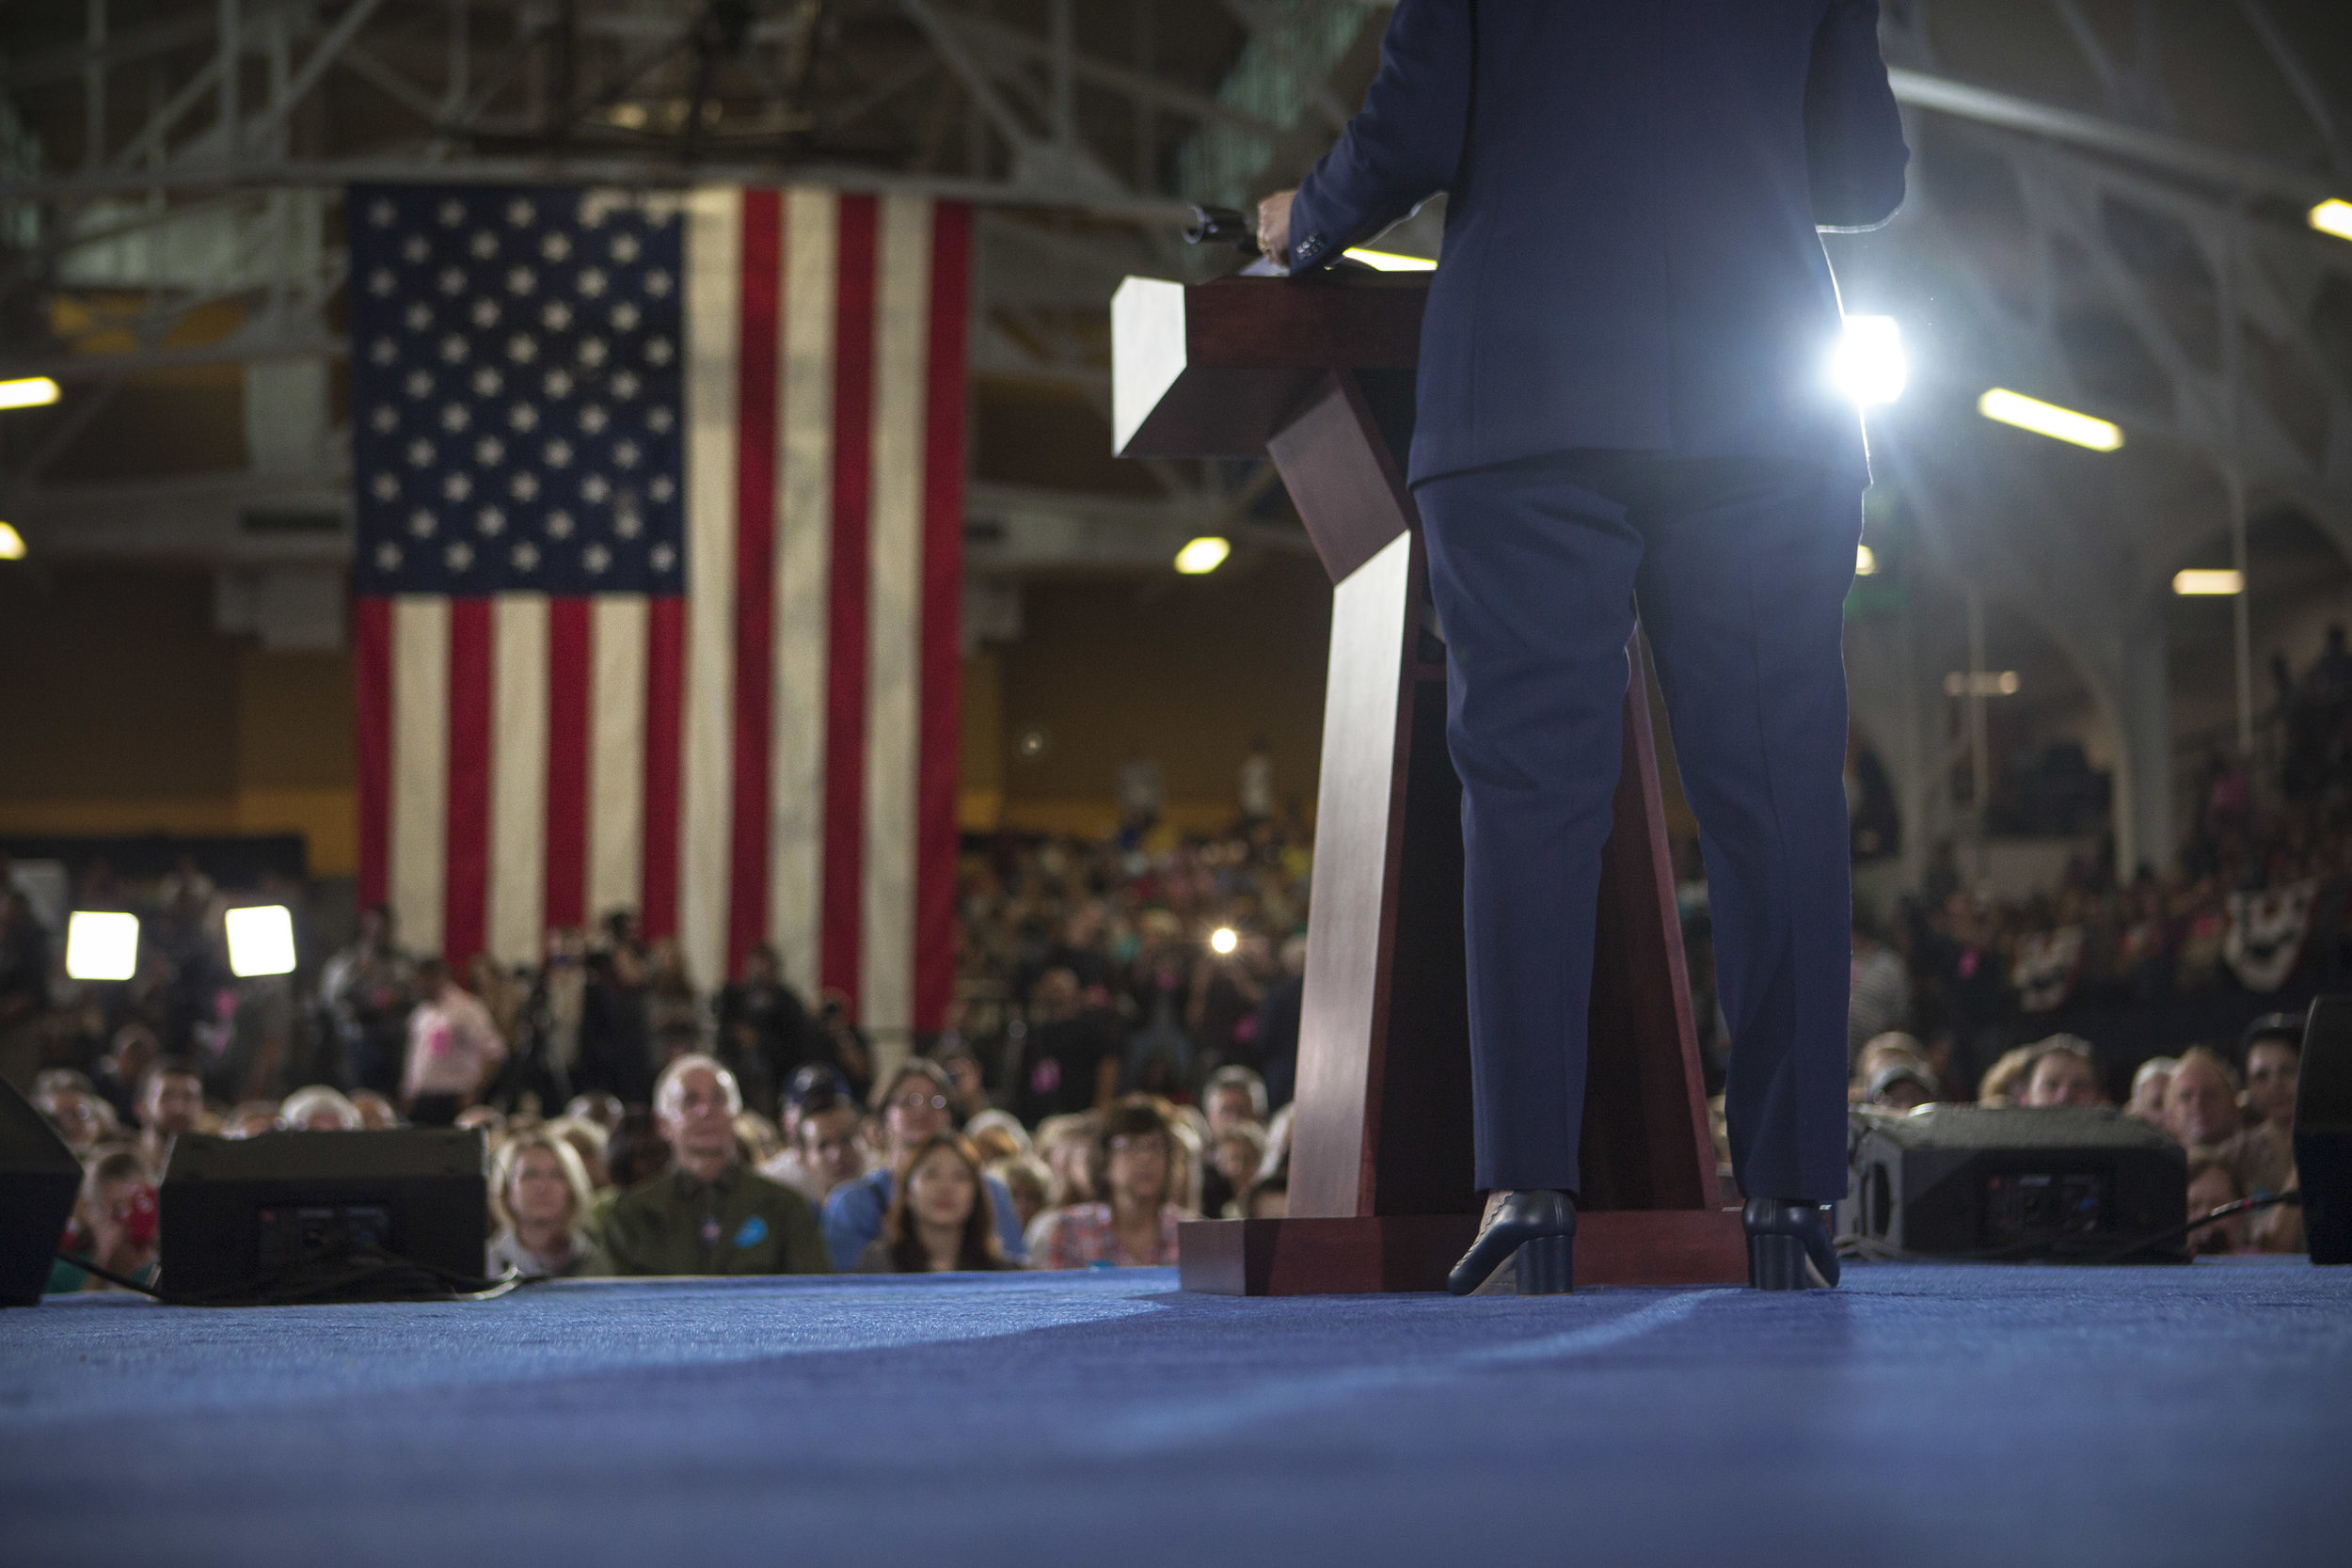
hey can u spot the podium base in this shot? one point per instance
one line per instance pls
(1413, 1252)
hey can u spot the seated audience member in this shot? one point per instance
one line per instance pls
(760, 1139)
(539, 1195)
(2148, 1087)
(487, 1120)
(1031, 1184)
(1233, 1095)
(605, 1110)
(1881, 1052)
(122, 1072)
(829, 1152)
(588, 1141)
(251, 1120)
(453, 1049)
(1068, 1145)
(1901, 1088)
(1269, 1195)
(1136, 1226)
(803, 1083)
(998, 1135)
(939, 1222)
(115, 1221)
(711, 1214)
(2201, 1113)
(376, 1112)
(172, 1101)
(2201, 1100)
(2005, 1080)
(915, 1109)
(2063, 1074)
(81, 1119)
(2211, 1184)
(1235, 1156)
(2274, 1065)
(319, 1109)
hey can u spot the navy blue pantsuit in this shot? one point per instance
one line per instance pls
(1740, 568)
(1623, 397)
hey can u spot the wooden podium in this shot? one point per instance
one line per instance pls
(1318, 373)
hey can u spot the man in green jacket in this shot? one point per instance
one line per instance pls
(710, 1212)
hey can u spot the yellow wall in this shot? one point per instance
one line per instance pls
(1184, 670)
(122, 711)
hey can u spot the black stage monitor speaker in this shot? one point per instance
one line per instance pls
(2004, 1182)
(303, 1215)
(38, 1177)
(2323, 1130)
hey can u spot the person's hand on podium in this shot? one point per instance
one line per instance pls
(1273, 228)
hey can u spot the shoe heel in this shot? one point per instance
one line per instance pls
(1776, 1262)
(1548, 1266)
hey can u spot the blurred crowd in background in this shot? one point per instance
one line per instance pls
(1124, 1039)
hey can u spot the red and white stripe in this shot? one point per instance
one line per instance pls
(771, 759)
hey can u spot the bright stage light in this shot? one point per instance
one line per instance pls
(2202, 583)
(1985, 683)
(1390, 261)
(11, 544)
(1870, 364)
(101, 945)
(1866, 562)
(28, 392)
(1223, 941)
(2048, 419)
(260, 941)
(1205, 554)
(2333, 217)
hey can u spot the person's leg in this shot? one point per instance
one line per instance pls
(1533, 574)
(1742, 594)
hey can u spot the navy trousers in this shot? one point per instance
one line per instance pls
(1741, 570)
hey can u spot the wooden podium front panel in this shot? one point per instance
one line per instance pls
(1343, 1016)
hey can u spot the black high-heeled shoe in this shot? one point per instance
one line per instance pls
(1539, 1226)
(1785, 1235)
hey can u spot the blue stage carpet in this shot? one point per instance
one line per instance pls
(1920, 1417)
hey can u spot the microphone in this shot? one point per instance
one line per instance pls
(1222, 226)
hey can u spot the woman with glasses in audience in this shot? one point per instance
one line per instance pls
(916, 1108)
(939, 1223)
(539, 1195)
(1137, 1227)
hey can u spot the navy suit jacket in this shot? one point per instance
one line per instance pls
(1633, 189)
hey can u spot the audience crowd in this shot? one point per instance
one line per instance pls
(1120, 1052)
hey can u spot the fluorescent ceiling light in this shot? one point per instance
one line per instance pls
(2333, 217)
(27, 392)
(2202, 583)
(11, 544)
(100, 946)
(1390, 261)
(1202, 555)
(1869, 366)
(1985, 683)
(1866, 562)
(2048, 419)
(260, 941)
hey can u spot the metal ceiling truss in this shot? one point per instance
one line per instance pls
(1066, 150)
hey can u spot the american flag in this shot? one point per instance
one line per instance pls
(659, 502)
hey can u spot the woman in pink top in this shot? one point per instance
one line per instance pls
(1136, 1229)
(453, 1049)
